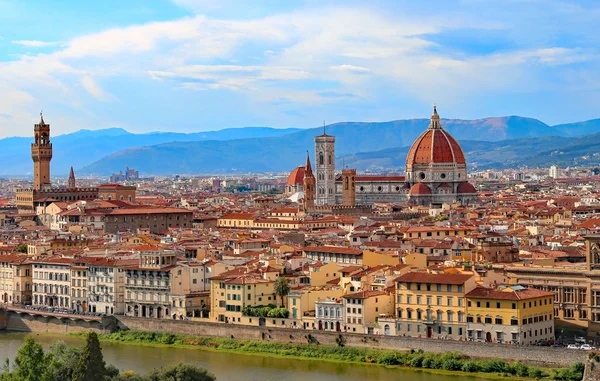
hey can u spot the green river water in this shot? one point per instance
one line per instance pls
(230, 366)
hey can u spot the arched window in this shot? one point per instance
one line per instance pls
(321, 158)
(329, 159)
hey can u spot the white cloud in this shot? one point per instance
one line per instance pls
(35, 43)
(93, 89)
(351, 69)
(345, 52)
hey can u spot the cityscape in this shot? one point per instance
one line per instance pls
(450, 246)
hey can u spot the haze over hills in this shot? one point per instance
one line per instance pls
(263, 149)
(283, 153)
(87, 146)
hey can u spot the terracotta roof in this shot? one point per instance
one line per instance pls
(129, 211)
(296, 177)
(359, 179)
(364, 294)
(435, 145)
(508, 293)
(421, 277)
(333, 250)
(419, 189)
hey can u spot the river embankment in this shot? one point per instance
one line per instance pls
(450, 363)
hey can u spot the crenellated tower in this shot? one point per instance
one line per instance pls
(41, 153)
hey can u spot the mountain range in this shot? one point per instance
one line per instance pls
(496, 142)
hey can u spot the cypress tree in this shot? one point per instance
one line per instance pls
(91, 366)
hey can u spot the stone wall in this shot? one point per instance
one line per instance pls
(529, 354)
(38, 323)
(592, 369)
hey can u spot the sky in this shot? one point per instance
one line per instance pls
(199, 65)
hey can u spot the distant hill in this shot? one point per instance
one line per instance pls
(532, 152)
(360, 145)
(258, 149)
(87, 146)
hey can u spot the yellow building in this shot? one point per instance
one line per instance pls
(362, 310)
(432, 305)
(302, 303)
(513, 314)
(231, 293)
(15, 279)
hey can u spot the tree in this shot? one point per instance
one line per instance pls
(91, 366)
(63, 360)
(30, 362)
(180, 372)
(282, 288)
(22, 248)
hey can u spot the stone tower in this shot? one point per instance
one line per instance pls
(325, 157)
(41, 153)
(349, 187)
(309, 186)
(72, 183)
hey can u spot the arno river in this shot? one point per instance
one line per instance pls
(228, 366)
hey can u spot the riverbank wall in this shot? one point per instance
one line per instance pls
(545, 356)
(66, 324)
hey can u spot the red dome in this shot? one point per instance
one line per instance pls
(419, 189)
(296, 177)
(466, 187)
(435, 146)
(444, 185)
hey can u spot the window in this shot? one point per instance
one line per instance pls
(439, 300)
(469, 318)
(478, 304)
(487, 304)
(438, 287)
(460, 288)
(488, 320)
(514, 306)
(498, 320)
(449, 288)
(449, 301)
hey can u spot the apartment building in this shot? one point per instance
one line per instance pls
(52, 282)
(513, 314)
(106, 286)
(432, 305)
(148, 285)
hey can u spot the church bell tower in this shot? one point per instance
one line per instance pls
(41, 153)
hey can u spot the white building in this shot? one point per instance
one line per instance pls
(554, 171)
(329, 315)
(106, 287)
(51, 282)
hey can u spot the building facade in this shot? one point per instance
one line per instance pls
(432, 305)
(510, 314)
(148, 285)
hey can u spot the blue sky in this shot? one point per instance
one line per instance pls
(194, 65)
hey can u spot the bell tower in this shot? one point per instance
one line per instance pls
(325, 165)
(41, 153)
(309, 186)
(349, 187)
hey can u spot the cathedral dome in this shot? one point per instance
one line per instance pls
(296, 177)
(419, 189)
(466, 187)
(435, 146)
